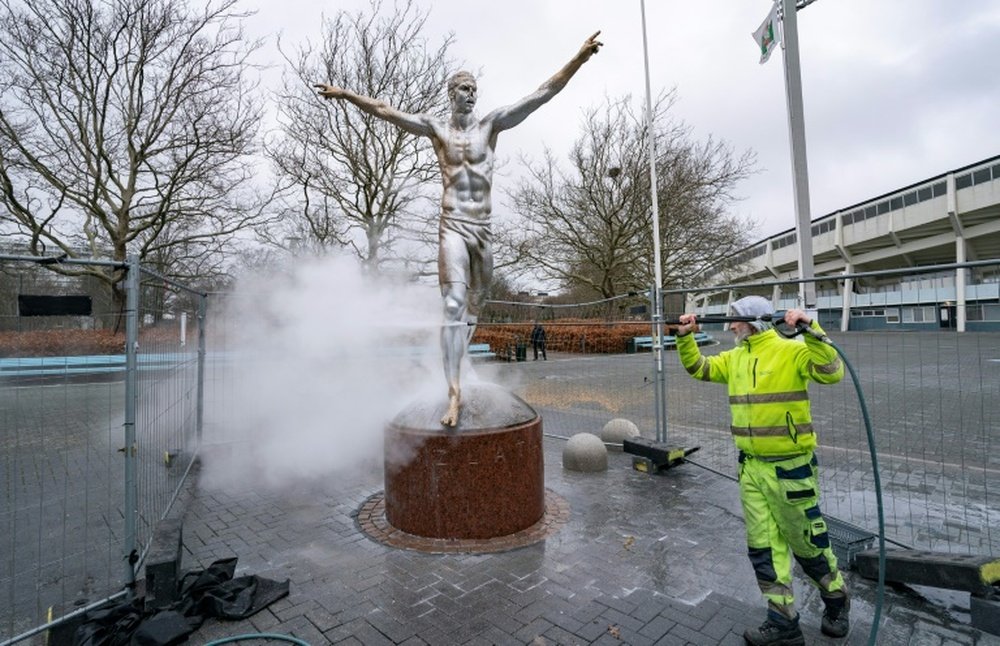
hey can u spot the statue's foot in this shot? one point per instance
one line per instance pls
(451, 417)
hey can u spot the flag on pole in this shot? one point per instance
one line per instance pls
(766, 35)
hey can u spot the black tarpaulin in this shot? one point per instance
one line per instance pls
(215, 593)
(204, 594)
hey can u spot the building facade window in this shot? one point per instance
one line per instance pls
(991, 311)
(918, 314)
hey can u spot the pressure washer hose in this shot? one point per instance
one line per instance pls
(249, 636)
(880, 589)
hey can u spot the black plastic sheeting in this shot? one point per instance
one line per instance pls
(203, 594)
(30, 305)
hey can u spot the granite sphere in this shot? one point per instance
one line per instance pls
(617, 430)
(585, 452)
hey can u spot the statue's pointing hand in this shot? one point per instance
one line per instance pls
(591, 46)
(329, 91)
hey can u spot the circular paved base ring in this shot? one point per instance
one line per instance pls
(372, 521)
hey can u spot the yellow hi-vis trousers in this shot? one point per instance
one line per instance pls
(781, 510)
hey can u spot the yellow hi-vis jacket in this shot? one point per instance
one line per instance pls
(768, 376)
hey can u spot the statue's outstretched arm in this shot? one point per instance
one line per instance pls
(418, 124)
(510, 116)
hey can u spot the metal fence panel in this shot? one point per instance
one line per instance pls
(932, 395)
(61, 488)
(167, 398)
(62, 432)
(933, 402)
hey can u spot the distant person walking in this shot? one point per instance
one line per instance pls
(538, 341)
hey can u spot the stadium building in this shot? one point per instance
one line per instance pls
(946, 219)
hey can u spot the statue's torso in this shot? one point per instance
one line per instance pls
(466, 156)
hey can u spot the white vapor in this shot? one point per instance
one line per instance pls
(319, 360)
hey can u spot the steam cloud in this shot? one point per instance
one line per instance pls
(313, 364)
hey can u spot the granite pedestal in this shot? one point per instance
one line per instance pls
(479, 480)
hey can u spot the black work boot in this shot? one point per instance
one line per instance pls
(776, 630)
(836, 620)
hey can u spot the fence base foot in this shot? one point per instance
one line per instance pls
(653, 457)
(969, 573)
(163, 565)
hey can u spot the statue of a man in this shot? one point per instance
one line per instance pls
(465, 148)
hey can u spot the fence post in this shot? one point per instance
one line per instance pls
(659, 391)
(132, 282)
(202, 319)
(663, 369)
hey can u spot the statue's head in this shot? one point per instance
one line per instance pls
(462, 92)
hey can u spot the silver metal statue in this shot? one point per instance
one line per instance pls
(465, 148)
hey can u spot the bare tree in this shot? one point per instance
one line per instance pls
(127, 126)
(590, 229)
(360, 182)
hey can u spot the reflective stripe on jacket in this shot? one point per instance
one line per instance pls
(768, 376)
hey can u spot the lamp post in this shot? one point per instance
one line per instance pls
(660, 390)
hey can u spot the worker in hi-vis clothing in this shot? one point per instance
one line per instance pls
(768, 377)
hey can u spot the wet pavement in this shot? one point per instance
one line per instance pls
(638, 559)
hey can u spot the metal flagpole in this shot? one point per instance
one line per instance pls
(660, 381)
(797, 139)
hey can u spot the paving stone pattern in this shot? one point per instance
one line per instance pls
(642, 559)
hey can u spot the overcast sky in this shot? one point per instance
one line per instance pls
(895, 91)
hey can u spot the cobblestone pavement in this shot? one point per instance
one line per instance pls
(642, 559)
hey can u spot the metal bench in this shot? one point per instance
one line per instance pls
(480, 351)
(641, 343)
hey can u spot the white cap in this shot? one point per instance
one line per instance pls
(753, 306)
